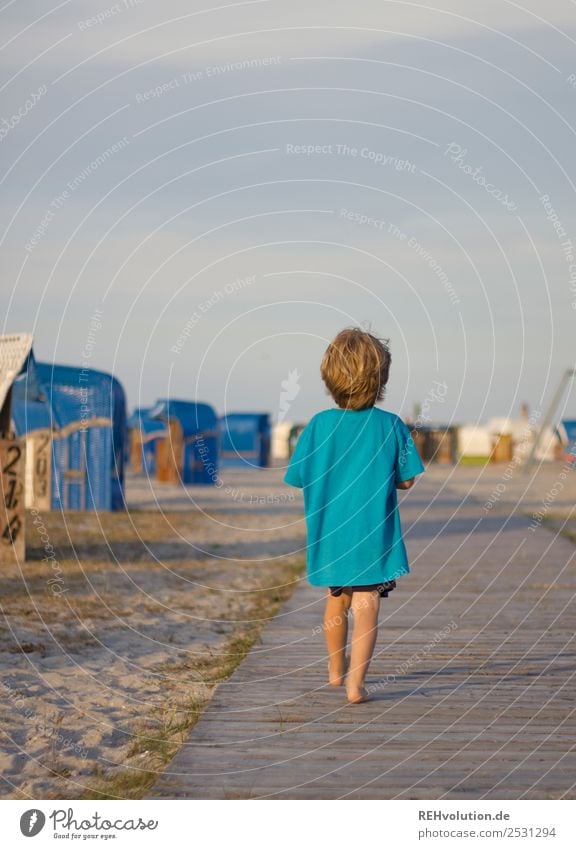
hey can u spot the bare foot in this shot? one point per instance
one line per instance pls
(336, 675)
(357, 695)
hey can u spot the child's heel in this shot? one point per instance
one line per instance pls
(358, 696)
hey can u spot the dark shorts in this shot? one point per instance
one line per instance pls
(383, 589)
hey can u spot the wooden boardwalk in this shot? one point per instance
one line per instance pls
(473, 679)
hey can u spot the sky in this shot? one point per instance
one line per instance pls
(197, 196)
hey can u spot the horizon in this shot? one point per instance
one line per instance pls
(418, 410)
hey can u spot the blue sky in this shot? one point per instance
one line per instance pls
(209, 143)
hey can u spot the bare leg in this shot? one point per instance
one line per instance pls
(336, 634)
(365, 607)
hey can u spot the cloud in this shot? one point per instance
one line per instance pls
(128, 33)
(206, 192)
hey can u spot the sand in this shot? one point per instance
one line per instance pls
(118, 626)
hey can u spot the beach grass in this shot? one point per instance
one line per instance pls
(146, 624)
(562, 523)
(158, 737)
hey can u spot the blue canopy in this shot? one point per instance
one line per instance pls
(199, 425)
(89, 408)
(136, 416)
(245, 439)
(30, 407)
(568, 426)
(29, 416)
(145, 432)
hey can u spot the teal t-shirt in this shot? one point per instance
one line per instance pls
(347, 463)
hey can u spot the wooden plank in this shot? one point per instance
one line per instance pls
(38, 475)
(12, 531)
(485, 711)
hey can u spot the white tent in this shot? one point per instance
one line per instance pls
(474, 441)
(280, 434)
(523, 433)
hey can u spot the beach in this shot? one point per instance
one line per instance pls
(118, 626)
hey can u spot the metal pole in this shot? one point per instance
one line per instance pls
(548, 417)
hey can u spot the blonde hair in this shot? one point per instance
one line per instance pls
(355, 368)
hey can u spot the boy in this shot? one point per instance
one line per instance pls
(349, 461)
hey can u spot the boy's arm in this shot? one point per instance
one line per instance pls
(408, 462)
(405, 484)
(293, 475)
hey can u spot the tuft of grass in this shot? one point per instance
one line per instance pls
(238, 794)
(565, 525)
(474, 461)
(155, 741)
(124, 785)
(159, 736)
